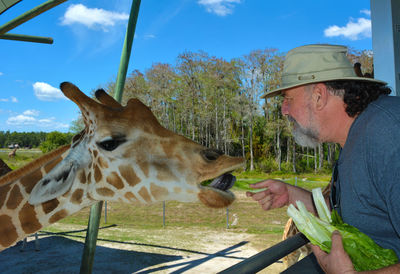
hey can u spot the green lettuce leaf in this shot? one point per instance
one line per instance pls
(364, 253)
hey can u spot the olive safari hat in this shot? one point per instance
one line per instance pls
(316, 63)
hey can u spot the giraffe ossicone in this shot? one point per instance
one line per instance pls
(124, 155)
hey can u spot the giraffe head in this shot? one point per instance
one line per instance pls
(124, 154)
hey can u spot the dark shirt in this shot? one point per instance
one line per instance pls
(369, 173)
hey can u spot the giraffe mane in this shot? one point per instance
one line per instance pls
(15, 174)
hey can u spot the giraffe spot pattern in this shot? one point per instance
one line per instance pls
(76, 197)
(3, 194)
(15, 198)
(177, 190)
(158, 192)
(82, 177)
(49, 206)
(29, 181)
(130, 196)
(164, 174)
(8, 231)
(97, 173)
(103, 163)
(58, 216)
(52, 164)
(115, 180)
(28, 220)
(129, 175)
(145, 194)
(105, 192)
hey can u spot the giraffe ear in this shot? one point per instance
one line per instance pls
(54, 184)
(61, 178)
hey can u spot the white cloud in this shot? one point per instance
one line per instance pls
(31, 112)
(11, 99)
(1, 74)
(46, 92)
(149, 36)
(92, 17)
(219, 7)
(366, 12)
(27, 119)
(354, 30)
(21, 120)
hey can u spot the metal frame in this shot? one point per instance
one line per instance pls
(26, 17)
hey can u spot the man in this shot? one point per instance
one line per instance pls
(327, 102)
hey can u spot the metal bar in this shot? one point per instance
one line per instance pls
(91, 238)
(126, 51)
(163, 215)
(269, 256)
(29, 15)
(105, 212)
(95, 211)
(27, 38)
(227, 218)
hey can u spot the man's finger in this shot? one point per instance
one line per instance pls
(261, 184)
(337, 243)
(318, 252)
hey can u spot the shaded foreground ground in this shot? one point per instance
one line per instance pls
(206, 253)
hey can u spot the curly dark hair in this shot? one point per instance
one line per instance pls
(357, 94)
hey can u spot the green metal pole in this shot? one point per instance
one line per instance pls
(29, 15)
(27, 38)
(95, 211)
(91, 238)
(126, 50)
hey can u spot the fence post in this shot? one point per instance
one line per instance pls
(227, 218)
(163, 216)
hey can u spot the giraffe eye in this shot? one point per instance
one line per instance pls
(111, 144)
(211, 154)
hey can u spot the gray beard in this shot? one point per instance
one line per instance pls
(305, 137)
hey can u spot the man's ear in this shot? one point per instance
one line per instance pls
(320, 96)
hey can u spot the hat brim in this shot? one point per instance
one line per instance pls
(278, 91)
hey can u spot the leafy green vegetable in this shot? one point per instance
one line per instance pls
(362, 250)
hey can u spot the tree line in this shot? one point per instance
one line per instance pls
(46, 141)
(217, 103)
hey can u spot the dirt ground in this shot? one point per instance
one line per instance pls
(165, 251)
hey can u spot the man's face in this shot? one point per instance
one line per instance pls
(296, 106)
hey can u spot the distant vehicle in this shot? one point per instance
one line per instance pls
(12, 146)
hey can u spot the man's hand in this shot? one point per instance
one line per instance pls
(337, 261)
(275, 196)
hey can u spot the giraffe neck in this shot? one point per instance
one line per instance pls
(18, 218)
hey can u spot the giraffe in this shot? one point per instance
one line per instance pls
(13, 153)
(291, 230)
(123, 155)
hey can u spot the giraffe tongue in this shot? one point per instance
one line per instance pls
(223, 182)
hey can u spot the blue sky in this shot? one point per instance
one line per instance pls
(88, 37)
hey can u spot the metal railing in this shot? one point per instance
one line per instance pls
(267, 257)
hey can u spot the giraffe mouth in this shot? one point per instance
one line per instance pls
(217, 193)
(223, 182)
